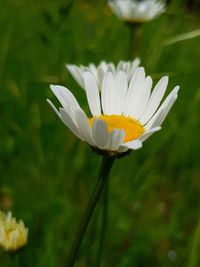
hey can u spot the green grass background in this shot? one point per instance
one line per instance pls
(47, 175)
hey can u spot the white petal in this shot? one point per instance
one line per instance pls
(163, 110)
(76, 73)
(65, 97)
(147, 134)
(116, 139)
(135, 144)
(168, 108)
(111, 67)
(92, 93)
(107, 94)
(54, 108)
(92, 68)
(68, 121)
(141, 98)
(138, 80)
(102, 69)
(155, 121)
(121, 86)
(134, 65)
(84, 127)
(120, 65)
(154, 100)
(122, 149)
(100, 134)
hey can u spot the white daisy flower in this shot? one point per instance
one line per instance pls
(124, 114)
(99, 71)
(137, 11)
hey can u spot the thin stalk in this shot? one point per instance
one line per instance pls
(16, 260)
(105, 168)
(103, 225)
(135, 36)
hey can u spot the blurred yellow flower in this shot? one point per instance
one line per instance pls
(13, 234)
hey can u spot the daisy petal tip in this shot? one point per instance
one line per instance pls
(165, 78)
(141, 69)
(176, 89)
(133, 145)
(137, 59)
(61, 110)
(53, 107)
(48, 101)
(87, 78)
(53, 86)
(137, 145)
(68, 66)
(87, 74)
(158, 128)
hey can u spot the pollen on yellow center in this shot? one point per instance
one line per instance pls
(133, 129)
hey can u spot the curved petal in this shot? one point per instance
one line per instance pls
(163, 110)
(76, 74)
(134, 65)
(122, 149)
(85, 130)
(119, 95)
(93, 69)
(135, 144)
(92, 93)
(116, 139)
(68, 121)
(147, 134)
(154, 100)
(54, 108)
(65, 97)
(141, 98)
(107, 94)
(168, 108)
(137, 81)
(100, 134)
(102, 69)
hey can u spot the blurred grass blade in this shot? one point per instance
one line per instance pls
(183, 37)
(194, 256)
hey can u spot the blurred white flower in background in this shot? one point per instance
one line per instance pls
(99, 71)
(137, 11)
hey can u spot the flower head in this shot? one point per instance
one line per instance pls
(13, 234)
(137, 11)
(124, 114)
(99, 71)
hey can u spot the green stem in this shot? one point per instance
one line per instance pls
(16, 260)
(104, 225)
(105, 168)
(135, 36)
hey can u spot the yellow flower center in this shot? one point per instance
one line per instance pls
(133, 129)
